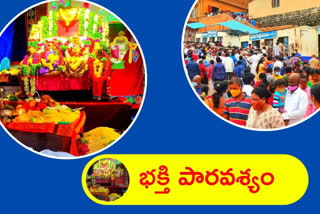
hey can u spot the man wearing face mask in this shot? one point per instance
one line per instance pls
(296, 102)
(197, 83)
(237, 108)
(277, 74)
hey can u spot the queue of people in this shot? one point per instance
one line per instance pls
(252, 89)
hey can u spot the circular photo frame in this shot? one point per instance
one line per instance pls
(75, 82)
(246, 74)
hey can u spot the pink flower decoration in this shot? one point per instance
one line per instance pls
(25, 60)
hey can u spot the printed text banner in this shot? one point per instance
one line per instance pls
(209, 179)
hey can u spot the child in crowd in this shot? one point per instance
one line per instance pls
(270, 77)
(204, 92)
(277, 73)
(262, 76)
(279, 96)
(315, 77)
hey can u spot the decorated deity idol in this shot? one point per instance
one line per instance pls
(75, 59)
(119, 48)
(51, 59)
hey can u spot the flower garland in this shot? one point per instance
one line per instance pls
(105, 33)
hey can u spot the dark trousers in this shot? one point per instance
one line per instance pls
(229, 75)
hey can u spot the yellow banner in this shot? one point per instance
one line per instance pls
(209, 180)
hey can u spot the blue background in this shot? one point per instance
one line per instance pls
(172, 121)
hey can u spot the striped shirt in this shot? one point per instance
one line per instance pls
(279, 99)
(238, 110)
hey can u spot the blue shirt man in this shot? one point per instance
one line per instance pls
(239, 69)
(218, 71)
(234, 59)
(193, 69)
(298, 54)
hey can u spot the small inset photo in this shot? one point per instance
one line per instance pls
(255, 63)
(107, 180)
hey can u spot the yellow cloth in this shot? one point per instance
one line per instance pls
(99, 138)
(262, 69)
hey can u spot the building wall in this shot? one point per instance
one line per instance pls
(303, 38)
(190, 33)
(228, 40)
(214, 20)
(261, 8)
(202, 7)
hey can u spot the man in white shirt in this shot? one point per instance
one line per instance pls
(277, 50)
(186, 48)
(277, 63)
(221, 57)
(264, 51)
(296, 102)
(229, 65)
(236, 55)
(253, 60)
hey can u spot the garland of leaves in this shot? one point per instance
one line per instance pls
(45, 27)
(97, 35)
(55, 26)
(81, 23)
(86, 42)
(25, 70)
(64, 47)
(34, 68)
(98, 23)
(33, 44)
(90, 24)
